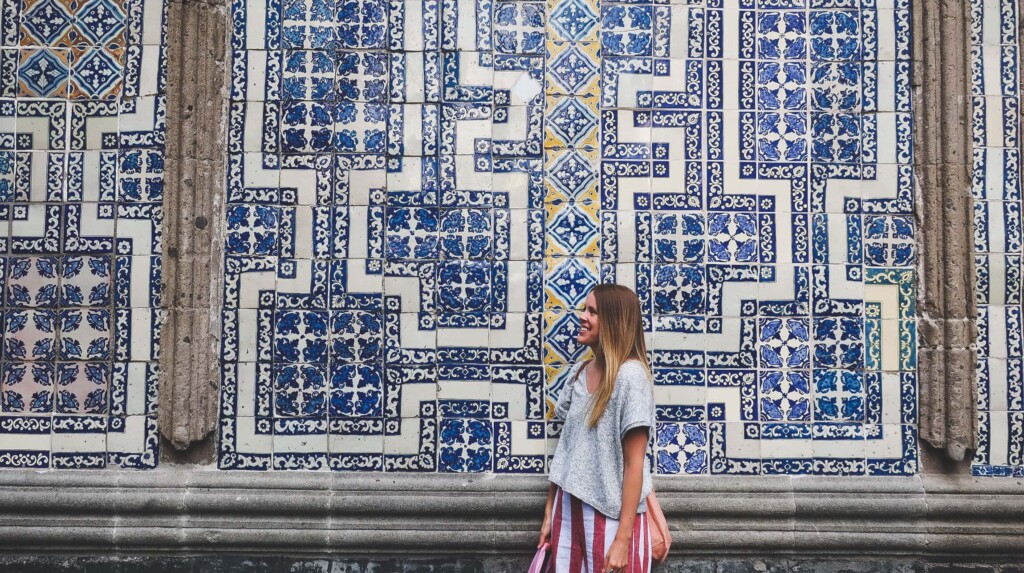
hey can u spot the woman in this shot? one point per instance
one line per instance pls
(596, 510)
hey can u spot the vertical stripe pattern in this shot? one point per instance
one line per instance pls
(581, 536)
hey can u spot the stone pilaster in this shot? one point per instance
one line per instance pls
(947, 308)
(197, 82)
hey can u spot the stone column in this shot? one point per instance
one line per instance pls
(946, 301)
(195, 177)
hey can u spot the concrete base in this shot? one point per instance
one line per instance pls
(189, 512)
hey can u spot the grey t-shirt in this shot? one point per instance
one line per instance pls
(588, 461)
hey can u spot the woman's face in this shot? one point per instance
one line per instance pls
(589, 328)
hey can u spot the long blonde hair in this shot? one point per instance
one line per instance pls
(620, 338)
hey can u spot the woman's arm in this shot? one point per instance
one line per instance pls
(545, 528)
(634, 447)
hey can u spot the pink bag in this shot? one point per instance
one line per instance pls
(539, 559)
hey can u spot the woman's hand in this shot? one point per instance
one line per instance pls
(616, 558)
(545, 532)
(545, 527)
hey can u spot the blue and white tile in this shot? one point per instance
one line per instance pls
(479, 156)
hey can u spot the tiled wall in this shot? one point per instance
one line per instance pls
(81, 184)
(420, 192)
(997, 237)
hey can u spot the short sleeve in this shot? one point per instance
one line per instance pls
(565, 396)
(637, 401)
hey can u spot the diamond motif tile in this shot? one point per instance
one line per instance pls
(572, 230)
(569, 281)
(572, 122)
(560, 338)
(96, 73)
(101, 21)
(44, 22)
(573, 69)
(573, 20)
(43, 72)
(571, 174)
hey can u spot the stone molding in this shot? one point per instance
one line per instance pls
(194, 189)
(316, 514)
(947, 308)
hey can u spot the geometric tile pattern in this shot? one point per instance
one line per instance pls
(421, 194)
(998, 238)
(81, 191)
(70, 49)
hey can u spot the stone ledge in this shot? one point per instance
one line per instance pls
(189, 511)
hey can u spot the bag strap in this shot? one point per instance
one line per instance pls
(582, 368)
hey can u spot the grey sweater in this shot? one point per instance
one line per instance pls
(588, 461)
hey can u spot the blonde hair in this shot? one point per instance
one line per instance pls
(620, 338)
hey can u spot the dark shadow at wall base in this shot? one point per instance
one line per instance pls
(242, 564)
(200, 453)
(935, 461)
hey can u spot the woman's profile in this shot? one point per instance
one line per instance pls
(596, 517)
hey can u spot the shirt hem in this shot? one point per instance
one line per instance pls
(642, 508)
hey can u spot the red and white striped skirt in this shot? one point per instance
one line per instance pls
(581, 535)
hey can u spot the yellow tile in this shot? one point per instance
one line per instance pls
(554, 30)
(553, 352)
(59, 89)
(578, 73)
(583, 240)
(558, 190)
(557, 379)
(568, 280)
(560, 138)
